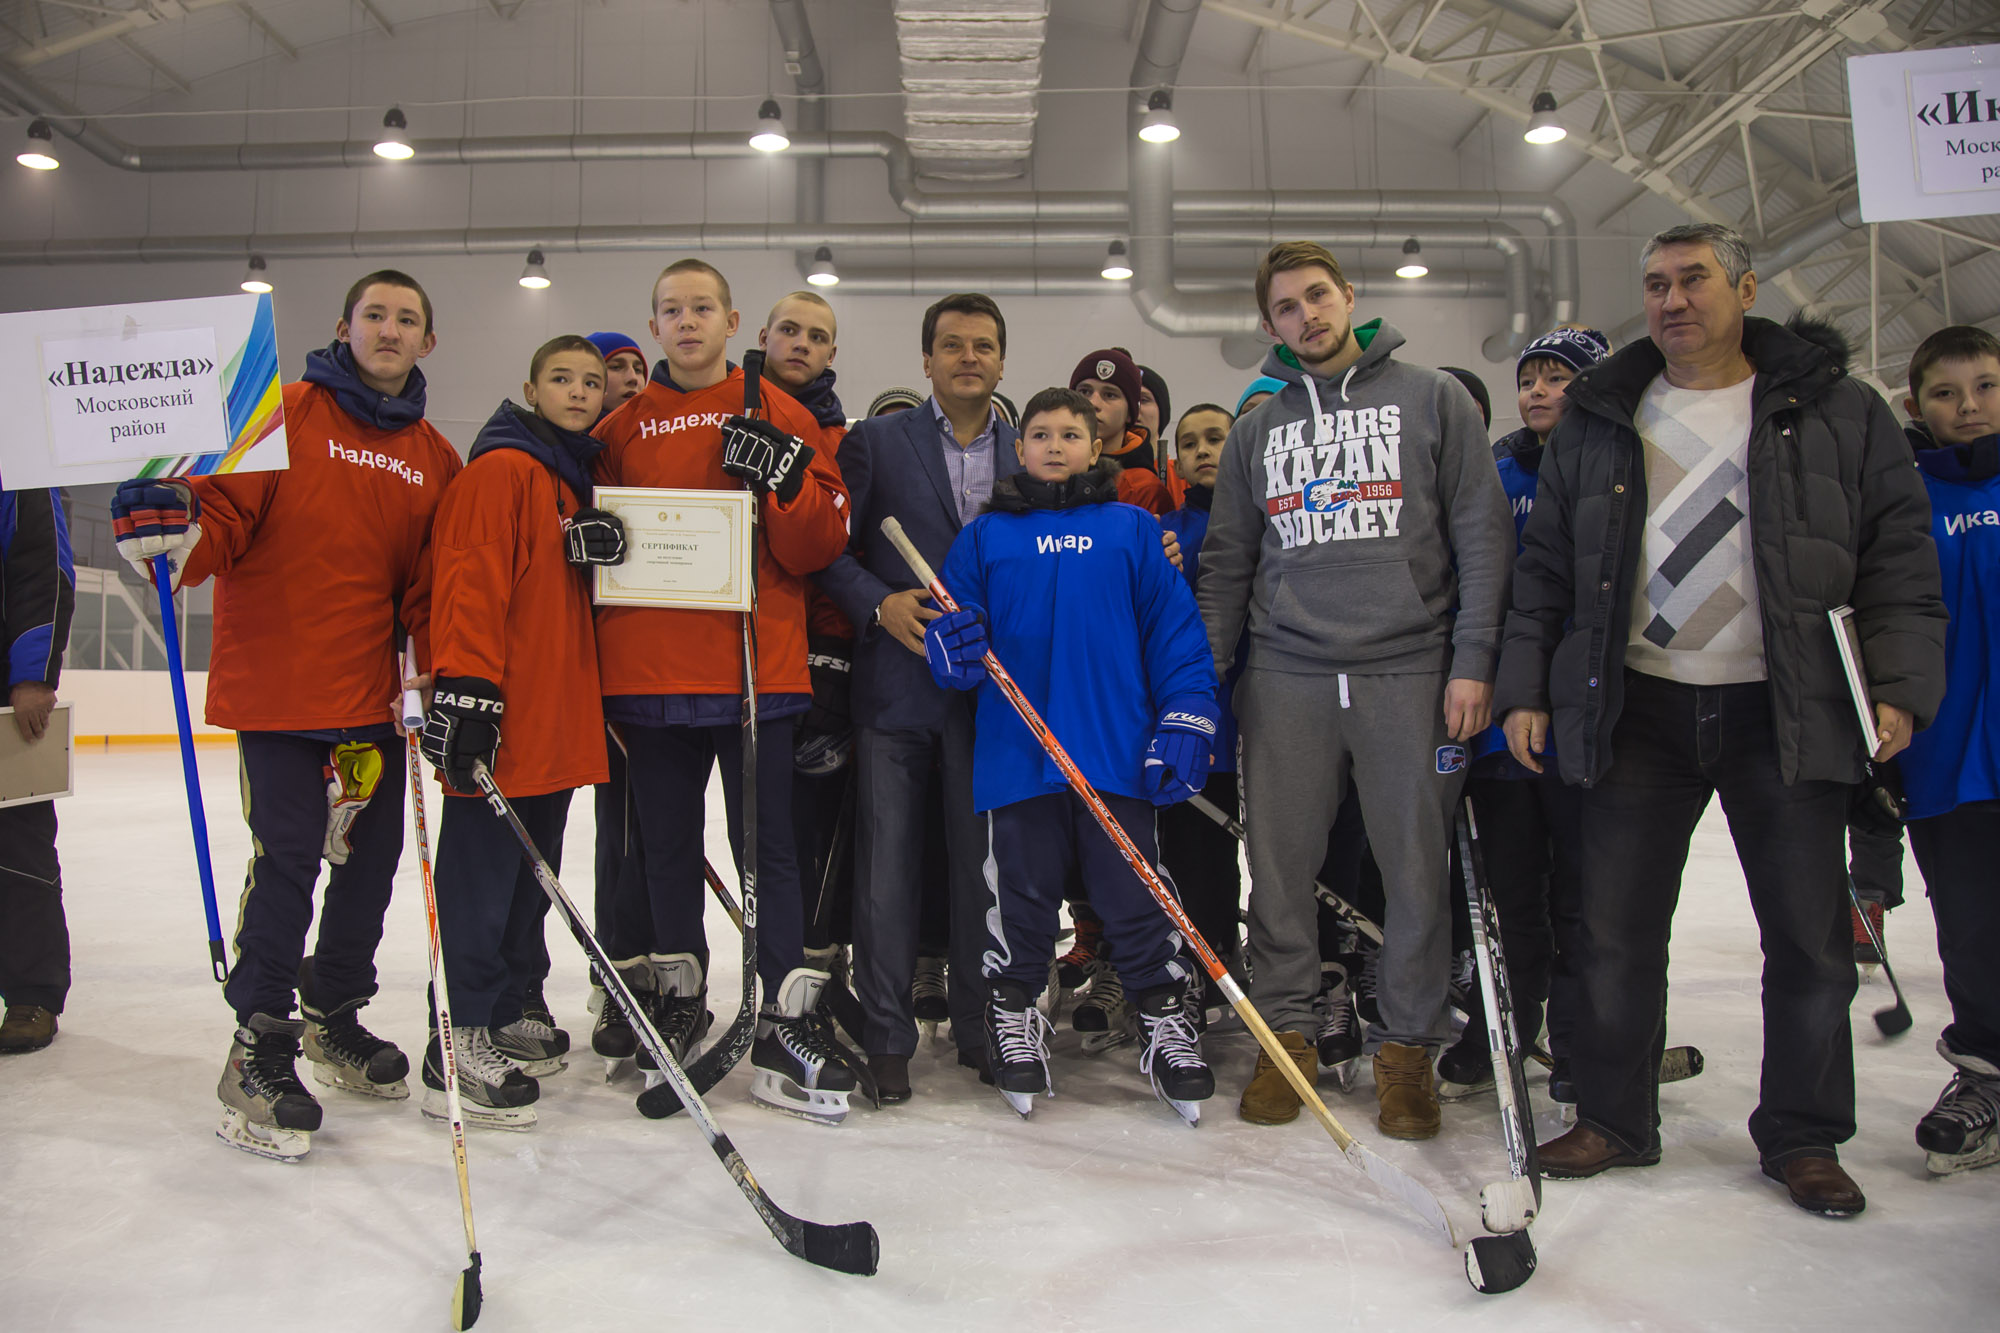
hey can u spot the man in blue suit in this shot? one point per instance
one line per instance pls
(932, 469)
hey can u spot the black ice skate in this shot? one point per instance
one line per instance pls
(1172, 1059)
(613, 1038)
(1017, 1046)
(1068, 971)
(795, 1064)
(1466, 1067)
(929, 997)
(537, 1047)
(1103, 1015)
(492, 1091)
(678, 1006)
(265, 1109)
(1962, 1132)
(1339, 1036)
(344, 1054)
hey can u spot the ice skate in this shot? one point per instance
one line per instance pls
(265, 1109)
(1362, 966)
(535, 1006)
(613, 1038)
(1172, 1059)
(1466, 1067)
(344, 1054)
(928, 996)
(1070, 970)
(678, 1007)
(1103, 1015)
(1962, 1132)
(536, 1047)
(1339, 1036)
(795, 1067)
(492, 1092)
(1017, 1046)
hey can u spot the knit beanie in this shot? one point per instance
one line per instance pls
(1579, 349)
(1115, 368)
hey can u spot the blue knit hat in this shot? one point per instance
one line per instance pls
(611, 344)
(1262, 384)
(1579, 349)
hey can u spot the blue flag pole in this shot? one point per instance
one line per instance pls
(197, 815)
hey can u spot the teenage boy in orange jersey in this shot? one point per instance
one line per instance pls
(673, 681)
(315, 567)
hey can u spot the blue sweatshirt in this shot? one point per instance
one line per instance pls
(1096, 626)
(1189, 524)
(1956, 759)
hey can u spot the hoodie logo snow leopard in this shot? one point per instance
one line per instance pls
(1346, 489)
(1451, 758)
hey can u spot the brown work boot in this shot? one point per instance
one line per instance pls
(1583, 1152)
(28, 1027)
(1407, 1088)
(1269, 1099)
(1819, 1185)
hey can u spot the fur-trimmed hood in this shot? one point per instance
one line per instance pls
(1823, 334)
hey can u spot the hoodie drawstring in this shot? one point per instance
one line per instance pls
(1346, 379)
(1323, 421)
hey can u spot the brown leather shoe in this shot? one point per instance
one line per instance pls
(1406, 1086)
(892, 1077)
(28, 1027)
(1819, 1185)
(1269, 1099)
(1583, 1153)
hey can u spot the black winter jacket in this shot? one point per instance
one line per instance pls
(1838, 515)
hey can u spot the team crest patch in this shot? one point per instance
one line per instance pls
(1105, 370)
(1330, 495)
(1450, 758)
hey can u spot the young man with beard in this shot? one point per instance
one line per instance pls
(1360, 534)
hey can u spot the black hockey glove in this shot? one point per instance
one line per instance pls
(463, 726)
(765, 457)
(826, 733)
(594, 537)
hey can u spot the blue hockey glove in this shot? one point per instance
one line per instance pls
(156, 516)
(463, 725)
(953, 644)
(1183, 750)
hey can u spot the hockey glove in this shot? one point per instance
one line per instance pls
(594, 537)
(156, 516)
(765, 457)
(954, 643)
(826, 733)
(1183, 750)
(463, 726)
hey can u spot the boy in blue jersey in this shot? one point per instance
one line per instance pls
(1074, 593)
(1951, 772)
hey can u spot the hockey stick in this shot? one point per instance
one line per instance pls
(1503, 1261)
(163, 580)
(1341, 908)
(1390, 1179)
(466, 1297)
(849, 1247)
(1895, 1020)
(713, 1065)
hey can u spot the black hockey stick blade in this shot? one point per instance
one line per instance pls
(466, 1297)
(713, 1065)
(1895, 1020)
(847, 1247)
(1494, 1264)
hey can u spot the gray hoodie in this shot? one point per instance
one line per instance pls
(1359, 524)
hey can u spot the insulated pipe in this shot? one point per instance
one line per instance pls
(923, 282)
(789, 18)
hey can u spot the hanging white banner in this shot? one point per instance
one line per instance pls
(1926, 132)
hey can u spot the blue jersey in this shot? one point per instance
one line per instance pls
(1189, 524)
(1096, 626)
(1956, 759)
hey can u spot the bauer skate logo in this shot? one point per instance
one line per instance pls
(1191, 721)
(1330, 495)
(1451, 758)
(1053, 545)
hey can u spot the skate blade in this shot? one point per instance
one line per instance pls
(511, 1118)
(1458, 1092)
(1022, 1102)
(819, 1105)
(280, 1145)
(337, 1076)
(1346, 1072)
(1953, 1164)
(1507, 1206)
(1095, 1043)
(1188, 1111)
(538, 1068)
(612, 1064)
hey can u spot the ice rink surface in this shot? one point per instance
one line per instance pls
(119, 1208)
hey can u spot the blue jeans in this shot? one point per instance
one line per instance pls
(1675, 746)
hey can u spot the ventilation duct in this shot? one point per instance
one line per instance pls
(971, 70)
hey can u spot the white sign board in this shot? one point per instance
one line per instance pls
(160, 388)
(1926, 132)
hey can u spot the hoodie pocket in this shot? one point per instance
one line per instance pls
(1355, 611)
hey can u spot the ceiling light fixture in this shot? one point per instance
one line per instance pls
(822, 273)
(394, 144)
(1159, 127)
(1542, 126)
(40, 150)
(256, 278)
(1413, 265)
(770, 136)
(1115, 268)
(536, 275)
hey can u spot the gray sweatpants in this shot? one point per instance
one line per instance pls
(1302, 737)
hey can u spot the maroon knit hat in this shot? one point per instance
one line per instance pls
(1115, 367)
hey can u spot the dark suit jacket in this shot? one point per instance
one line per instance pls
(894, 468)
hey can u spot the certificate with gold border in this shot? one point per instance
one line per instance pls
(687, 549)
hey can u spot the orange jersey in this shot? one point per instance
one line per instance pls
(667, 438)
(1140, 485)
(507, 606)
(315, 566)
(822, 615)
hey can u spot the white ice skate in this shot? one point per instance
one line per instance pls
(536, 1048)
(265, 1109)
(795, 1067)
(492, 1092)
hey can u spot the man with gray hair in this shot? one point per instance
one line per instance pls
(1711, 493)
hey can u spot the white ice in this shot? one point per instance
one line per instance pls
(120, 1209)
